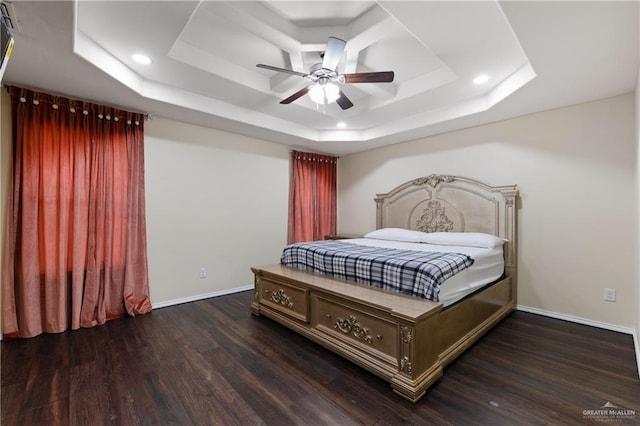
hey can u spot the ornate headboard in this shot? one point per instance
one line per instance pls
(438, 203)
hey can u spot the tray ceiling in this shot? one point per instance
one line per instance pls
(204, 57)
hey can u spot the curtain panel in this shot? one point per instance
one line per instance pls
(75, 237)
(312, 196)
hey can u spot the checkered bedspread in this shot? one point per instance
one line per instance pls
(416, 273)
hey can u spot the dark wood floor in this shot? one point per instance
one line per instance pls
(212, 363)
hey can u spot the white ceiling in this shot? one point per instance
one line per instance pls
(538, 55)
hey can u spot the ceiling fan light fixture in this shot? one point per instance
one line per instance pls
(332, 92)
(324, 93)
(317, 94)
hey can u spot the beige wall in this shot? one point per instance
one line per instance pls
(215, 200)
(576, 171)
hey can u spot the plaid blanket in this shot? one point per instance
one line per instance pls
(416, 273)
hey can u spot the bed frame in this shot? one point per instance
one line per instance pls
(404, 340)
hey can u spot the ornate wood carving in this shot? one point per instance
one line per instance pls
(406, 334)
(434, 219)
(281, 298)
(351, 325)
(433, 180)
(405, 365)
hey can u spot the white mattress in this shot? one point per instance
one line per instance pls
(487, 267)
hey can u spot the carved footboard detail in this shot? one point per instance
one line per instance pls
(281, 297)
(355, 325)
(351, 325)
(406, 338)
(285, 297)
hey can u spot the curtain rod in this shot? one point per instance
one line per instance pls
(146, 115)
(319, 153)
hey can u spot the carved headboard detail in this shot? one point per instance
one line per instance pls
(445, 203)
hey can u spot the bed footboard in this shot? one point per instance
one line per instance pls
(404, 340)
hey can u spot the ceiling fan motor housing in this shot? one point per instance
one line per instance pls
(322, 75)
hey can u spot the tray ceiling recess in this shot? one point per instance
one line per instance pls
(204, 54)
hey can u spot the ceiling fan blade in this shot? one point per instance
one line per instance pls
(269, 67)
(369, 77)
(296, 95)
(343, 101)
(333, 53)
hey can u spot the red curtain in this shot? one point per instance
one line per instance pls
(75, 242)
(312, 196)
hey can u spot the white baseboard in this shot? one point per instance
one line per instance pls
(604, 325)
(200, 297)
(636, 344)
(571, 318)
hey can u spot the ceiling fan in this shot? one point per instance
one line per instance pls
(324, 76)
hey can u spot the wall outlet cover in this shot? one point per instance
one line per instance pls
(610, 294)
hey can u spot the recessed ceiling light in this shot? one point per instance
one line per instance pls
(141, 59)
(341, 125)
(481, 79)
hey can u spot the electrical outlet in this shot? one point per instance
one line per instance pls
(610, 294)
(203, 272)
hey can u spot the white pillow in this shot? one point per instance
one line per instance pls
(467, 239)
(397, 234)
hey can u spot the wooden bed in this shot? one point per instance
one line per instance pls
(404, 340)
